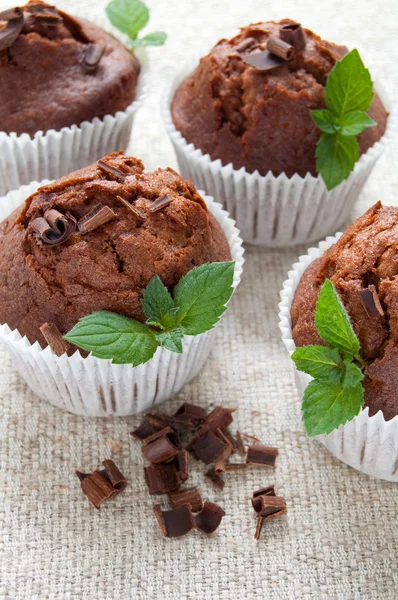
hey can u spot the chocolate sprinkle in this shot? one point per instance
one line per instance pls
(54, 339)
(371, 302)
(15, 21)
(160, 203)
(209, 518)
(263, 61)
(262, 455)
(102, 485)
(176, 522)
(53, 228)
(293, 34)
(215, 478)
(91, 57)
(189, 496)
(110, 171)
(100, 215)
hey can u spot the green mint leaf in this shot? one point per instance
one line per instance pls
(349, 86)
(129, 16)
(320, 362)
(112, 336)
(172, 340)
(352, 375)
(332, 321)
(355, 122)
(157, 38)
(326, 406)
(201, 296)
(158, 305)
(336, 157)
(325, 120)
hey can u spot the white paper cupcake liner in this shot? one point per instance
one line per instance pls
(369, 444)
(269, 210)
(96, 387)
(51, 154)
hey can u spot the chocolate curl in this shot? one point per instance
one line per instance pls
(262, 456)
(182, 460)
(138, 213)
(209, 518)
(263, 61)
(160, 203)
(189, 496)
(159, 451)
(371, 302)
(176, 522)
(117, 479)
(102, 485)
(280, 48)
(256, 499)
(293, 34)
(91, 57)
(147, 427)
(54, 339)
(190, 415)
(215, 478)
(219, 418)
(53, 228)
(206, 445)
(100, 215)
(110, 171)
(15, 20)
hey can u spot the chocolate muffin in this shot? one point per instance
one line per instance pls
(61, 70)
(364, 258)
(54, 270)
(260, 119)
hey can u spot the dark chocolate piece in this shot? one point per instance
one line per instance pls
(241, 446)
(160, 203)
(215, 478)
(110, 171)
(371, 302)
(102, 485)
(53, 228)
(176, 522)
(15, 20)
(262, 455)
(157, 434)
(182, 462)
(222, 459)
(100, 215)
(138, 213)
(116, 478)
(162, 479)
(263, 61)
(206, 446)
(160, 450)
(190, 415)
(91, 57)
(271, 505)
(189, 496)
(257, 495)
(54, 338)
(209, 518)
(219, 418)
(279, 48)
(147, 427)
(293, 34)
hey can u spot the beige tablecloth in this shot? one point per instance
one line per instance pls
(339, 539)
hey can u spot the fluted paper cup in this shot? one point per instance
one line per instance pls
(270, 210)
(368, 444)
(51, 154)
(96, 387)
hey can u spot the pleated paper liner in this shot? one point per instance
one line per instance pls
(273, 211)
(96, 387)
(368, 444)
(51, 154)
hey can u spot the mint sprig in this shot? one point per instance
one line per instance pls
(348, 95)
(130, 17)
(195, 305)
(336, 394)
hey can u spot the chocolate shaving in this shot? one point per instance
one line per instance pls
(246, 436)
(15, 21)
(147, 427)
(267, 506)
(160, 450)
(279, 48)
(209, 518)
(293, 34)
(189, 496)
(176, 522)
(263, 61)
(215, 478)
(256, 499)
(206, 446)
(262, 455)
(111, 171)
(221, 460)
(53, 228)
(371, 302)
(182, 460)
(190, 415)
(102, 485)
(100, 215)
(54, 338)
(138, 213)
(91, 57)
(235, 466)
(219, 418)
(162, 479)
(271, 505)
(160, 203)
(241, 447)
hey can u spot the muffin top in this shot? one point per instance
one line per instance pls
(260, 119)
(61, 70)
(153, 224)
(364, 258)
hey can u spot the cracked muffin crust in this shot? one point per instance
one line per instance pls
(108, 268)
(50, 87)
(261, 120)
(366, 255)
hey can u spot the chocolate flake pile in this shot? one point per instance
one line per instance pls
(208, 439)
(102, 485)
